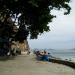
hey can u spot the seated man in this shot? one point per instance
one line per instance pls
(45, 56)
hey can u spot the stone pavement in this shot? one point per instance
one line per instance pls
(28, 65)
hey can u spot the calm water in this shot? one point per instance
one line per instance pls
(63, 54)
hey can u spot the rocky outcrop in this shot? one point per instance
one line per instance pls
(22, 46)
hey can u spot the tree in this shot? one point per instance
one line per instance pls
(32, 16)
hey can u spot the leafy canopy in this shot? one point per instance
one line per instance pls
(32, 16)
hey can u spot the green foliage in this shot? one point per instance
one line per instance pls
(35, 14)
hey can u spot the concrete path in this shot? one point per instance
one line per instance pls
(27, 65)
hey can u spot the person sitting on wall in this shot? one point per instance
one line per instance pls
(38, 54)
(45, 56)
(42, 55)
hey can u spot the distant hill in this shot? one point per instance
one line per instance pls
(73, 49)
(43, 49)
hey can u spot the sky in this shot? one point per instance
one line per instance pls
(62, 34)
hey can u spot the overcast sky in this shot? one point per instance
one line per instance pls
(62, 34)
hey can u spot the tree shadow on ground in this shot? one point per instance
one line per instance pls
(5, 58)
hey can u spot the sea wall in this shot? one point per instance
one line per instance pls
(64, 62)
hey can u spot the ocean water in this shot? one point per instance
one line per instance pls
(63, 54)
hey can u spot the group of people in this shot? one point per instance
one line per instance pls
(43, 55)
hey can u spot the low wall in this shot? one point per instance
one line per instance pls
(64, 62)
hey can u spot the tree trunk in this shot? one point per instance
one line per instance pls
(4, 46)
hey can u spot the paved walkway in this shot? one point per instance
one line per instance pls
(27, 65)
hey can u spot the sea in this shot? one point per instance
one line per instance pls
(63, 54)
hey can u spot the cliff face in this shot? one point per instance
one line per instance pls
(23, 46)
